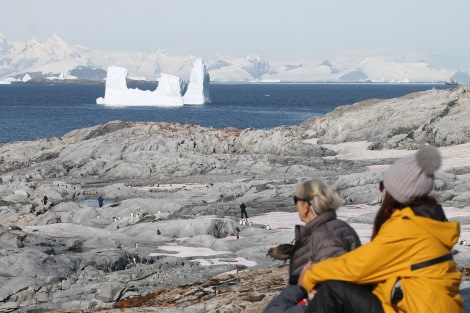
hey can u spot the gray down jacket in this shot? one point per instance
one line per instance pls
(322, 238)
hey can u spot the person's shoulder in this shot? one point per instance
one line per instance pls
(340, 226)
(338, 223)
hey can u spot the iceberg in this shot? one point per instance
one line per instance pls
(169, 91)
(198, 88)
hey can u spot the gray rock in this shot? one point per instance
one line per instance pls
(169, 184)
(109, 291)
(436, 117)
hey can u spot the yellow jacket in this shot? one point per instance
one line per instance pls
(405, 239)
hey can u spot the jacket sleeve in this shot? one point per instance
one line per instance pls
(286, 301)
(368, 264)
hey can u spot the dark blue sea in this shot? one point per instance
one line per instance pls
(32, 111)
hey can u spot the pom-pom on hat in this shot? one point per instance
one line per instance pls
(413, 176)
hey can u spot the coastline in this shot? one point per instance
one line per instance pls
(181, 185)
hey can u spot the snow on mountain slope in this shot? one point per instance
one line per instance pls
(249, 68)
(388, 69)
(301, 72)
(56, 59)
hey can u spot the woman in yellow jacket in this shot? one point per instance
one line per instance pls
(408, 265)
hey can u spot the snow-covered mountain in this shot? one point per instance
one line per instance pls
(55, 59)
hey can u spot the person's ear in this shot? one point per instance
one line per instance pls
(305, 207)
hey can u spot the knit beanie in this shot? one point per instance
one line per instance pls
(412, 176)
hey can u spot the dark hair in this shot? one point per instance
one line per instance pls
(389, 205)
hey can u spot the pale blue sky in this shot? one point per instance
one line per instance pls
(432, 30)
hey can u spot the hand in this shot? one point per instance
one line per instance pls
(312, 294)
(302, 273)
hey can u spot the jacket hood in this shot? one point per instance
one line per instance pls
(446, 232)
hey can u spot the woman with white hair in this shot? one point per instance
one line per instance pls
(323, 236)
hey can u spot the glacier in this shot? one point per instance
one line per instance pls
(169, 92)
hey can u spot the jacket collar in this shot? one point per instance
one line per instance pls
(316, 222)
(433, 211)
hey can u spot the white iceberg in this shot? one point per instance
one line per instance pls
(198, 88)
(169, 91)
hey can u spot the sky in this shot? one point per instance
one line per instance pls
(434, 31)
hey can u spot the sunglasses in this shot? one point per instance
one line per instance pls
(297, 199)
(381, 186)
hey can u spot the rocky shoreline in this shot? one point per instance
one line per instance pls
(169, 185)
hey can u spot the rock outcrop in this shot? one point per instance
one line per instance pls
(169, 185)
(436, 117)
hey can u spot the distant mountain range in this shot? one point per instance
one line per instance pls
(55, 59)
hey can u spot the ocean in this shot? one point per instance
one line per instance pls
(33, 111)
